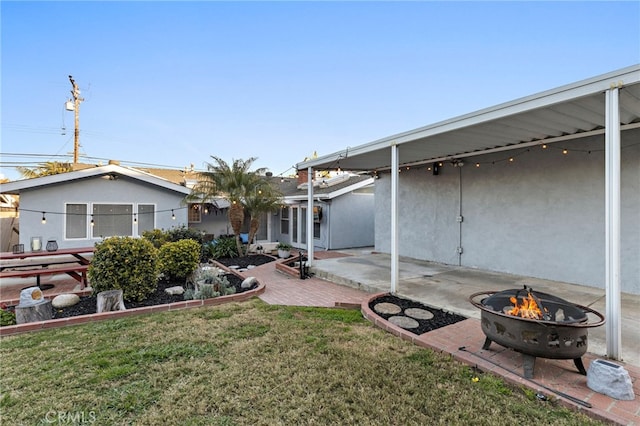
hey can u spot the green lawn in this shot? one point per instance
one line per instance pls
(249, 363)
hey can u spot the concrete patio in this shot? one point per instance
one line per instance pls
(448, 287)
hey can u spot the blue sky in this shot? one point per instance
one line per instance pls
(171, 83)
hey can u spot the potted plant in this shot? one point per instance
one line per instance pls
(284, 250)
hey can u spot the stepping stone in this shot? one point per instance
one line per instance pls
(418, 313)
(387, 308)
(404, 322)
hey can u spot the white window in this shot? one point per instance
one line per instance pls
(146, 217)
(75, 221)
(284, 220)
(112, 220)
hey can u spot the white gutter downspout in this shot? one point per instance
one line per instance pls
(612, 224)
(395, 275)
(310, 216)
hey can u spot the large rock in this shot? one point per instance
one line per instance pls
(610, 379)
(249, 282)
(65, 300)
(174, 290)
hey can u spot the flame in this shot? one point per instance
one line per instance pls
(527, 309)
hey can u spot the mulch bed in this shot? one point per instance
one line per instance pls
(87, 304)
(440, 318)
(243, 262)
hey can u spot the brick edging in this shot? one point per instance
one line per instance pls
(11, 330)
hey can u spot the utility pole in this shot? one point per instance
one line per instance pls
(75, 92)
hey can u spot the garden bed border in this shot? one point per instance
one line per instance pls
(11, 330)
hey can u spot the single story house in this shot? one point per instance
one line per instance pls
(342, 212)
(79, 208)
(545, 186)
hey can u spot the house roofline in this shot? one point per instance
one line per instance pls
(25, 184)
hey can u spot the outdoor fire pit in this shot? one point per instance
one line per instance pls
(535, 324)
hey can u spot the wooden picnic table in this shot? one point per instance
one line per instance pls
(71, 261)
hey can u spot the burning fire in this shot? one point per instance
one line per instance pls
(527, 309)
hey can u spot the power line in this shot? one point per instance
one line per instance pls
(88, 158)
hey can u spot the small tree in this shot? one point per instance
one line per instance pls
(266, 199)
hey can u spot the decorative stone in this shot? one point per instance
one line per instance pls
(251, 266)
(65, 300)
(234, 267)
(242, 270)
(404, 322)
(249, 282)
(418, 313)
(387, 308)
(174, 290)
(30, 297)
(610, 379)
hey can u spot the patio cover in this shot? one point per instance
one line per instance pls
(569, 112)
(606, 104)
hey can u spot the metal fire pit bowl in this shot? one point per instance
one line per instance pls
(561, 335)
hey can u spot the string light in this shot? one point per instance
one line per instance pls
(135, 218)
(93, 215)
(544, 146)
(92, 221)
(173, 215)
(565, 151)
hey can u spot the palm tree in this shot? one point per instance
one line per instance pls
(236, 183)
(45, 169)
(266, 199)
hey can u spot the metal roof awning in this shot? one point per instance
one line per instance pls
(607, 105)
(568, 112)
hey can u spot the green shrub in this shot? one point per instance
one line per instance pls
(224, 247)
(207, 252)
(179, 259)
(184, 233)
(158, 237)
(127, 264)
(7, 317)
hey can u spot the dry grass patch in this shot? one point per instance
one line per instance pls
(250, 363)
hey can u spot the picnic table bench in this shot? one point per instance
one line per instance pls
(72, 262)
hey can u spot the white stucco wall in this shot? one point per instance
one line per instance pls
(542, 215)
(53, 198)
(351, 221)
